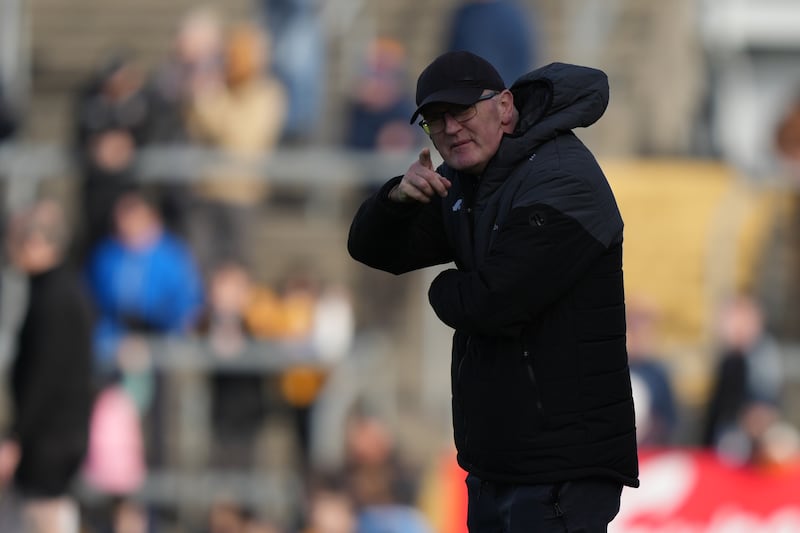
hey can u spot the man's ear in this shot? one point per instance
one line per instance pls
(508, 115)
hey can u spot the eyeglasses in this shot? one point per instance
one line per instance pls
(435, 123)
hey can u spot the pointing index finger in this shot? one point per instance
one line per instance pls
(425, 158)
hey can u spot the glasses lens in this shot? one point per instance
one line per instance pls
(436, 123)
(463, 113)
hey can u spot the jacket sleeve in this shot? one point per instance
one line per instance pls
(398, 238)
(537, 256)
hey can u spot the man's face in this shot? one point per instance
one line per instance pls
(468, 145)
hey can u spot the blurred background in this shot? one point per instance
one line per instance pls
(264, 380)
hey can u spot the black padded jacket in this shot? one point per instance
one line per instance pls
(540, 379)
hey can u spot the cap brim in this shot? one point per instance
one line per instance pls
(458, 96)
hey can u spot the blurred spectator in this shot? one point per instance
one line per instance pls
(289, 319)
(299, 41)
(500, 31)
(377, 115)
(748, 382)
(114, 98)
(374, 472)
(194, 65)
(115, 460)
(333, 326)
(237, 395)
(330, 510)
(130, 516)
(122, 514)
(383, 488)
(392, 519)
(51, 389)
(144, 281)
(315, 320)
(227, 516)
(243, 118)
(115, 466)
(108, 174)
(222, 322)
(299, 292)
(111, 122)
(656, 410)
(778, 448)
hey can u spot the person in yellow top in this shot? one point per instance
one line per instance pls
(242, 116)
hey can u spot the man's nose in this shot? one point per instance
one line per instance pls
(450, 124)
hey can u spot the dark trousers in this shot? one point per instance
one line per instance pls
(581, 506)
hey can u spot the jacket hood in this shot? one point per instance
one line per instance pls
(559, 97)
(553, 99)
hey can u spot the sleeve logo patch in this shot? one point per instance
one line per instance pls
(536, 219)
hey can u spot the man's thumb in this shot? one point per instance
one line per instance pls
(425, 158)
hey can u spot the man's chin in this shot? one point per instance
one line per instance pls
(468, 167)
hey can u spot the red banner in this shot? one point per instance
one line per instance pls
(688, 491)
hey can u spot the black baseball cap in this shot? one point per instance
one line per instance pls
(456, 78)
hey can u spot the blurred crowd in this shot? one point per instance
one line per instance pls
(744, 418)
(178, 259)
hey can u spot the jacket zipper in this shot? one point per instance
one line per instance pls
(526, 356)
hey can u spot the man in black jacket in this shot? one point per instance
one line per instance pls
(542, 406)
